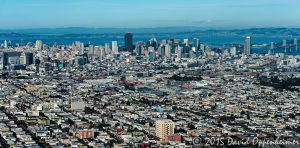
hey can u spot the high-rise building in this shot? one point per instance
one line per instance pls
(38, 45)
(5, 44)
(23, 59)
(151, 54)
(152, 42)
(168, 51)
(164, 128)
(29, 58)
(202, 47)
(179, 52)
(115, 48)
(161, 51)
(91, 52)
(247, 47)
(233, 50)
(163, 42)
(186, 42)
(128, 42)
(107, 48)
(139, 48)
(196, 43)
(9, 44)
(81, 48)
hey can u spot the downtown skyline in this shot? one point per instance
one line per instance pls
(142, 74)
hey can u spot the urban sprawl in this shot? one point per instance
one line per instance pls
(171, 93)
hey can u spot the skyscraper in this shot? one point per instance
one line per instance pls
(139, 48)
(196, 43)
(151, 54)
(179, 51)
(5, 44)
(115, 48)
(168, 51)
(233, 50)
(38, 45)
(81, 48)
(186, 42)
(107, 48)
(23, 59)
(247, 47)
(91, 52)
(164, 128)
(128, 42)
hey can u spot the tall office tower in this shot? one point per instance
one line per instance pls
(186, 42)
(152, 42)
(233, 50)
(178, 51)
(247, 47)
(77, 44)
(29, 58)
(102, 53)
(194, 49)
(9, 44)
(151, 54)
(161, 51)
(202, 47)
(91, 49)
(163, 42)
(272, 45)
(196, 43)
(81, 48)
(107, 48)
(168, 51)
(191, 54)
(139, 48)
(128, 42)
(91, 52)
(172, 41)
(5, 44)
(38, 45)
(115, 48)
(10, 58)
(164, 128)
(23, 59)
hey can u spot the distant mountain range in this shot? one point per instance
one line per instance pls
(186, 29)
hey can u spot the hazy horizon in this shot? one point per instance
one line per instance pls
(154, 27)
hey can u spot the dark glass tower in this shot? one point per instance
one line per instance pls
(128, 42)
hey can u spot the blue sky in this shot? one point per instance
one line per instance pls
(16, 14)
